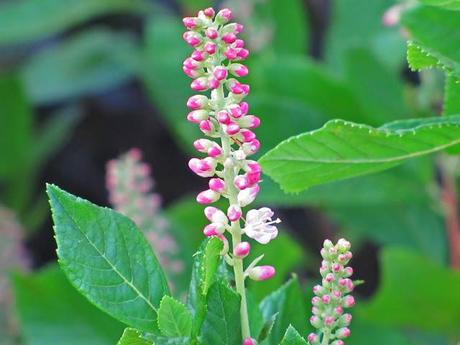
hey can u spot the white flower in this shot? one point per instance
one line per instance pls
(259, 225)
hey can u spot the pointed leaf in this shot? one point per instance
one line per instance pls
(292, 337)
(343, 149)
(107, 259)
(222, 323)
(174, 319)
(132, 336)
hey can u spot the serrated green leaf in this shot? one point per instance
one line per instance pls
(423, 294)
(343, 149)
(288, 302)
(24, 21)
(174, 319)
(419, 58)
(447, 4)
(51, 311)
(132, 336)
(107, 259)
(222, 323)
(206, 262)
(292, 337)
(88, 63)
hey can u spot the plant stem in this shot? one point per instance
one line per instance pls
(229, 176)
(326, 336)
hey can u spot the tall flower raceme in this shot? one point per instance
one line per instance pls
(332, 297)
(224, 119)
(129, 183)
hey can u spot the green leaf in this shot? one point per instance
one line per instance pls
(132, 336)
(222, 323)
(107, 259)
(27, 20)
(415, 292)
(49, 309)
(174, 319)
(88, 63)
(343, 149)
(447, 4)
(204, 271)
(288, 302)
(292, 337)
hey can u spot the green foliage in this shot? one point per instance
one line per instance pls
(409, 297)
(133, 337)
(447, 4)
(287, 306)
(222, 323)
(107, 259)
(90, 62)
(24, 21)
(51, 311)
(343, 149)
(292, 337)
(174, 319)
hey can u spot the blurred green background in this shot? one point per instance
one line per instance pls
(83, 81)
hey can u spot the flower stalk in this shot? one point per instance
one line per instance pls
(224, 117)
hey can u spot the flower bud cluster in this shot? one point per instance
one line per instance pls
(129, 183)
(215, 65)
(332, 296)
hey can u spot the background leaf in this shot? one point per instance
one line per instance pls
(174, 319)
(292, 337)
(132, 336)
(107, 259)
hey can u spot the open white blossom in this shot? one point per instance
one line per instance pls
(259, 225)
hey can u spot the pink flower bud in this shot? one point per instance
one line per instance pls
(253, 178)
(316, 321)
(190, 22)
(348, 301)
(192, 38)
(231, 53)
(235, 110)
(191, 73)
(209, 12)
(200, 84)
(241, 182)
(223, 16)
(202, 145)
(239, 28)
(191, 63)
(313, 338)
(214, 151)
(197, 102)
(239, 70)
(326, 299)
(210, 48)
(207, 197)
(249, 341)
(343, 332)
(243, 54)
(223, 117)
(329, 321)
(234, 213)
(214, 229)
(229, 38)
(242, 250)
(220, 73)
(232, 128)
(217, 185)
(260, 273)
(198, 55)
(252, 147)
(338, 310)
(206, 126)
(213, 83)
(197, 116)
(247, 135)
(348, 271)
(244, 107)
(212, 33)
(316, 301)
(249, 121)
(239, 43)
(248, 195)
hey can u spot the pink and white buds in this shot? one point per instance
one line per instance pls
(217, 185)
(260, 273)
(313, 338)
(248, 195)
(200, 84)
(196, 116)
(238, 70)
(192, 38)
(331, 297)
(190, 22)
(210, 48)
(234, 213)
(242, 250)
(209, 12)
(220, 73)
(249, 341)
(207, 197)
(223, 16)
(197, 102)
(212, 33)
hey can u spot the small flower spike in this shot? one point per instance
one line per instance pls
(332, 297)
(215, 66)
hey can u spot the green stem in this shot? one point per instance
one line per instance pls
(229, 176)
(326, 336)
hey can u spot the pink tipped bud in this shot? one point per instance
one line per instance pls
(236, 110)
(198, 55)
(345, 320)
(191, 72)
(316, 321)
(249, 121)
(392, 16)
(192, 38)
(343, 332)
(253, 167)
(253, 178)
(241, 182)
(231, 53)
(242, 250)
(214, 151)
(212, 33)
(197, 102)
(220, 73)
(223, 117)
(190, 22)
(348, 301)
(249, 341)
(348, 271)
(247, 135)
(318, 290)
(191, 63)
(239, 43)
(214, 229)
(313, 338)
(248, 195)
(336, 267)
(207, 197)
(210, 48)
(252, 147)
(203, 145)
(217, 185)
(329, 321)
(239, 70)
(209, 12)
(206, 126)
(244, 107)
(223, 16)
(229, 38)
(232, 128)
(213, 83)
(234, 213)
(338, 310)
(197, 116)
(326, 299)
(260, 273)
(200, 84)
(243, 54)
